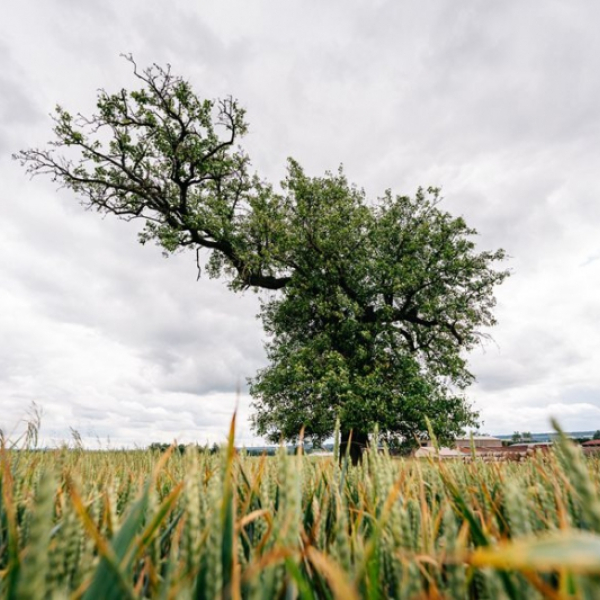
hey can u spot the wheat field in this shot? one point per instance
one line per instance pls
(141, 524)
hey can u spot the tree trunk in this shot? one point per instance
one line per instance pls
(358, 443)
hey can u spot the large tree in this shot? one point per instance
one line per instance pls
(371, 304)
(372, 328)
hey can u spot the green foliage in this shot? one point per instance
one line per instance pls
(524, 437)
(373, 325)
(379, 299)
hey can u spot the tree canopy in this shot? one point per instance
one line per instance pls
(370, 305)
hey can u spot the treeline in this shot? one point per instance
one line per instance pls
(214, 449)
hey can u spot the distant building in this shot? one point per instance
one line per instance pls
(591, 447)
(479, 441)
(429, 451)
(529, 448)
(491, 449)
(462, 447)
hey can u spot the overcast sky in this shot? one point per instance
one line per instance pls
(496, 102)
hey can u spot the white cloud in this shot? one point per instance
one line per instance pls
(495, 102)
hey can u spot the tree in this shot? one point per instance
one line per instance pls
(372, 305)
(372, 326)
(525, 437)
(596, 435)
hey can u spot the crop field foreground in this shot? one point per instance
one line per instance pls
(140, 524)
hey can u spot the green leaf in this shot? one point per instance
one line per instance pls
(576, 551)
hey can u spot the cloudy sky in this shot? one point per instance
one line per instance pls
(496, 102)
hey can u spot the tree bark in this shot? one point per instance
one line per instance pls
(359, 442)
